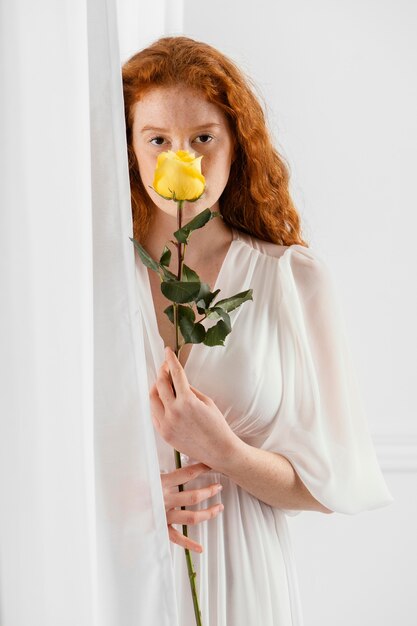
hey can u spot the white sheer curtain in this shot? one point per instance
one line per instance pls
(83, 538)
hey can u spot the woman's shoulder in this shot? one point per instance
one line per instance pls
(270, 249)
(305, 264)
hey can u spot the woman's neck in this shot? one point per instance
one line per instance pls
(204, 243)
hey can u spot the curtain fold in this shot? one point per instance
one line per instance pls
(83, 537)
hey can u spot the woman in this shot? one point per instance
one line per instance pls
(274, 417)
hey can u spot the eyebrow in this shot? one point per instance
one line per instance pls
(163, 130)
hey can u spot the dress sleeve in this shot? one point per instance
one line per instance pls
(322, 427)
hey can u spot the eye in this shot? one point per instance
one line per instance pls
(204, 138)
(156, 139)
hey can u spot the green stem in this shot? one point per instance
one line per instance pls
(191, 572)
(190, 567)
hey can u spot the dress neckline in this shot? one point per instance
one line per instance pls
(159, 342)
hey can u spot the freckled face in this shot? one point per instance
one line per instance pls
(180, 118)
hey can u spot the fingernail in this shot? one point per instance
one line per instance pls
(219, 487)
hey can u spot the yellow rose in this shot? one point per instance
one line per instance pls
(178, 176)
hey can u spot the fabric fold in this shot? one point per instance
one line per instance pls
(321, 427)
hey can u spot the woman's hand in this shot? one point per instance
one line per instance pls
(190, 421)
(174, 498)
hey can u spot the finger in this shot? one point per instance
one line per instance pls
(183, 474)
(200, 395)
(163, 386)
(157, 408)
(190, 518)
(183, 541)
(156, 423)
(191, 496)
(178, 375)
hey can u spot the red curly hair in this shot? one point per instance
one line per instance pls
(256, 198)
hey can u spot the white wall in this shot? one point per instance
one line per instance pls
(360, 570)
(338, 85)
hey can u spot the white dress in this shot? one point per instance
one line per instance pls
(285, 382)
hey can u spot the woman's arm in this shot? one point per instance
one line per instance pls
(269, 476)
(191, 422)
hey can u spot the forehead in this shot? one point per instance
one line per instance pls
(176, 105)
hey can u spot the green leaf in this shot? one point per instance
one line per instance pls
(206, 298)
(169, 311)
(182, 235)
(231, 303)
(165, 257)
(189, 275)
(197, 335)
(180, 291)
(167, 274)
(216, 313)
(191, 332)
(198, 221)
(145, 257)
(205, 293)
(216, 335)
(185, 313)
